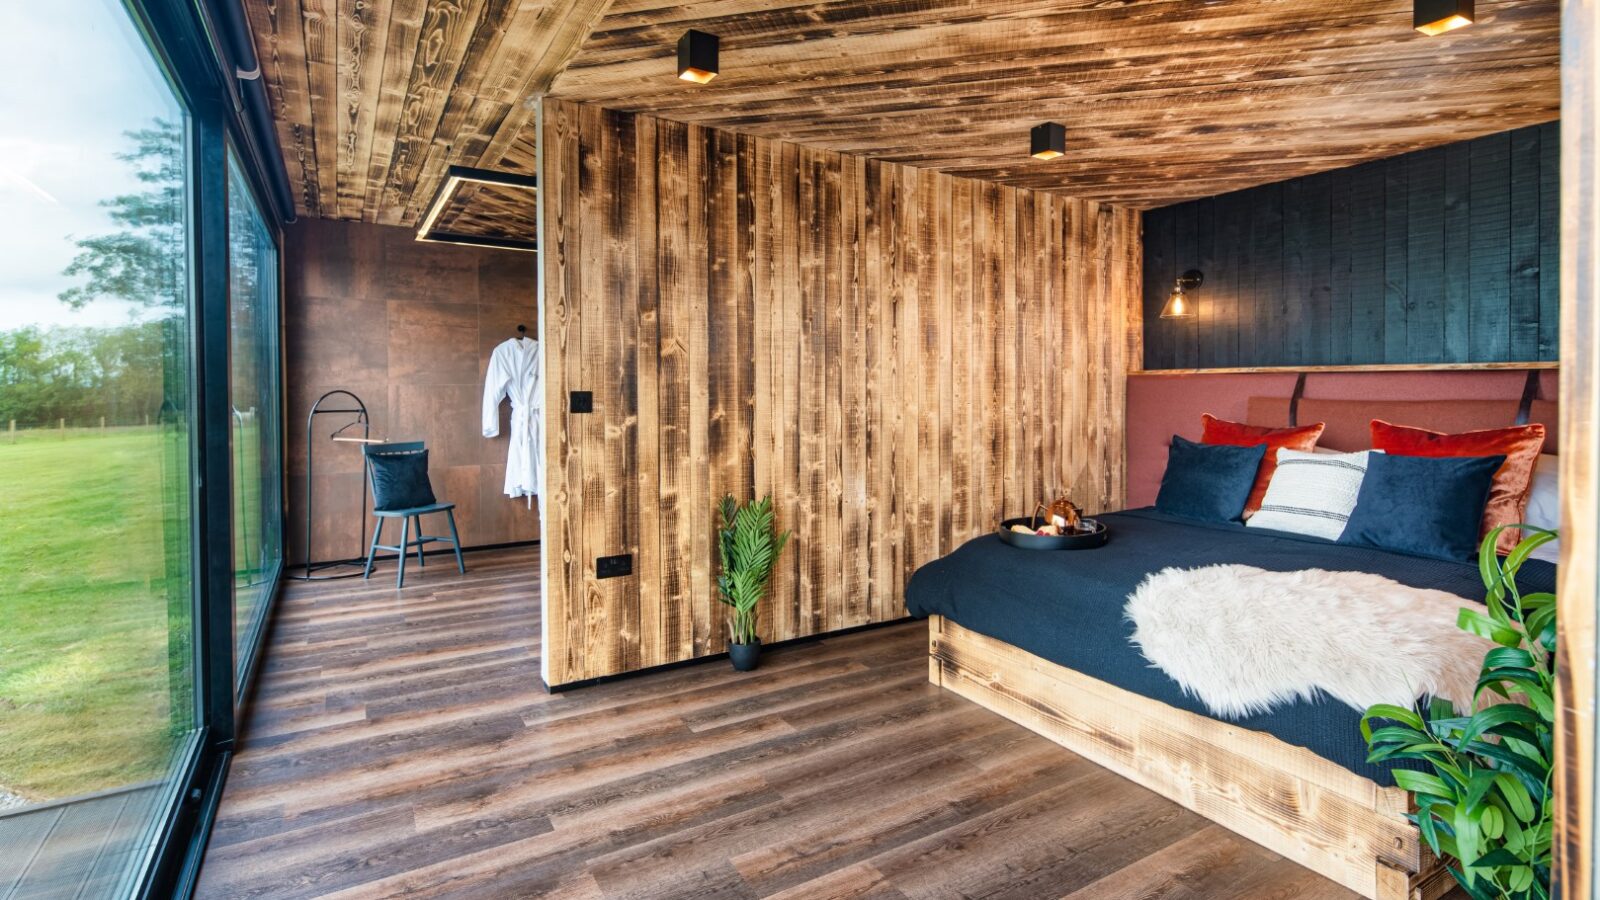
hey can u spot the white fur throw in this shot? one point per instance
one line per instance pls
(1242, 639)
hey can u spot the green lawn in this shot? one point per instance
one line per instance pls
(87, 541)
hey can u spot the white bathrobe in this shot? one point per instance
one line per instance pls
(514, 373)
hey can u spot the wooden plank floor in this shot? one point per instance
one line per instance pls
(401, 745)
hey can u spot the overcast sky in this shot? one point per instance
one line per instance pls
(74, 76)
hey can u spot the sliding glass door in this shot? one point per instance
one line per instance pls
(98, 701)
(253, 389)
(140, 442)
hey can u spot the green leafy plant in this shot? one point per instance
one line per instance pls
(1486, 804)
(748, 543)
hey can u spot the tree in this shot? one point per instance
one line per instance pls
(146, 262)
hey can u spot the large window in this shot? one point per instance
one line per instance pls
(98, 714)
(253, 389)
(140, 441)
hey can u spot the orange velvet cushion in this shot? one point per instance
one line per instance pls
(1220, 431)
(1508, 498)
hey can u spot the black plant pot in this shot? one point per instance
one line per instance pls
(745, 656)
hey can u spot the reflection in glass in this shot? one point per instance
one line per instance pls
(253, 329)
(97, 705)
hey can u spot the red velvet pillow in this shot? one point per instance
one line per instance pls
(1220, 431)
(1508, 497)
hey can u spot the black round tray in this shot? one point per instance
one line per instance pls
(1087, 541)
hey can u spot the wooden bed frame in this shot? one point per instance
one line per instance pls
(1285, 798)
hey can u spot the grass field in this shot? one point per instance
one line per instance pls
(86, 691)
(95, 592)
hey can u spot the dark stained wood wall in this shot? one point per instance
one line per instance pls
(1448, 255)
(409, 328)
(898, 356)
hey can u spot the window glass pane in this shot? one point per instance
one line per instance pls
(253, 323)
(97, 700)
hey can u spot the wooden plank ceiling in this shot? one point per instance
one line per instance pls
(374, 98)
(1164, 100)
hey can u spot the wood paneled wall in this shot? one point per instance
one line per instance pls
(1578, 577)
(1448, 255)
(897, 356)
(409, 328)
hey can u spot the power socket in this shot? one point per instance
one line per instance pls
(613, 566)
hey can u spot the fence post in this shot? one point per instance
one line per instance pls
(13, 430)
(61, 423)
(102, 423)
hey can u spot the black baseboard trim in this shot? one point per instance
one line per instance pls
(698, 660)
(445, 551)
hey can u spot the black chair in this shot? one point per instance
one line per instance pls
(401, 490)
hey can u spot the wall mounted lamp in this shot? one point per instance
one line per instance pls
(697, 56)
(1179, 305)
(1433, 17)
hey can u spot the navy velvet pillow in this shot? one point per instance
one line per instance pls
(1210, 482)
(400, 481)
(1422, 505)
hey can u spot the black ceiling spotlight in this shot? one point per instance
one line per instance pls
(697, 56)
(1048, 140)
(1433, 17)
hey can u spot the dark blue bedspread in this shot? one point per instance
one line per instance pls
(1067, 606)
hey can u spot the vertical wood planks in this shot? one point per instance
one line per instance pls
(1396, 256)
(701, 499)
(1525, 274)
(1549, 240)
(812, 384)
(674, 259)
(899, 357)
(1443, 255)
(564, 617)
(1573, 866)
(1457, 253)
(647, 356)
(1425, 252)
(1366, 263)
(854, 475)
(726, 372)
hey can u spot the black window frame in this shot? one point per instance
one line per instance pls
(184, 40)
(255, 640)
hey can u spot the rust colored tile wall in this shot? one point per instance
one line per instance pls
(408, 327)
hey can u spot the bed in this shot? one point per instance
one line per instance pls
(1040, 638)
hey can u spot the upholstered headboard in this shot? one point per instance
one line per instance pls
(1349, 421)
(1160, 406)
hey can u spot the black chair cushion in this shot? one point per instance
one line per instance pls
(400, 481)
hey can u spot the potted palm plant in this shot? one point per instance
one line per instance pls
(748, 543)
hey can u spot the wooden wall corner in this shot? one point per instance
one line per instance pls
(899, 357)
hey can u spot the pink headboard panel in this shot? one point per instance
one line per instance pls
(1160, 406)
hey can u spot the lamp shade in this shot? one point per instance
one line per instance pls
(1433, 17)
(697, 56)
(1048, 140)
(1179, 304)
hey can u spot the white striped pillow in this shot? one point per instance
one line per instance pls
(1312, 493)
